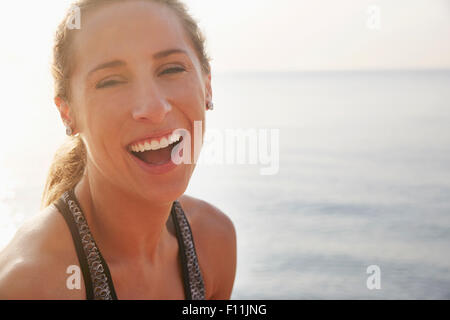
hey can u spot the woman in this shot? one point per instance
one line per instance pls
(133, 73)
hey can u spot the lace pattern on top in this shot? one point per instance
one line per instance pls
(101, 289)
(196, 283)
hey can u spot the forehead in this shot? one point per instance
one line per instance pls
(128, 29)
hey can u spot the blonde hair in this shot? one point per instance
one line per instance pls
(69, 161)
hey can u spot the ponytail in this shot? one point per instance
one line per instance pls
(66, 170)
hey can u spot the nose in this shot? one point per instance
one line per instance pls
(150, 104)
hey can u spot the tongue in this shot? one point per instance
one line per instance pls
(160, 156)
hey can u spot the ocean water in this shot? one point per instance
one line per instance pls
(363, 179)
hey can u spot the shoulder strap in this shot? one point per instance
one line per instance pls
(64, 210)
(96, 274)
(194, 287)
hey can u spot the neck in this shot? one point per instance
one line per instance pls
(124, 226)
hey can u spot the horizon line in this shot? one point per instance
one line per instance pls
(362, 70)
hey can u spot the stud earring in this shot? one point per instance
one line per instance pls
(68, 131)
(210, 106)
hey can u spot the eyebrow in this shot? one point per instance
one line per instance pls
(119, 63)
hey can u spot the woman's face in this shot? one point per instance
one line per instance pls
(123, 92)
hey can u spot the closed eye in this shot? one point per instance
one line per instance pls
(173, 70)
(108, 83)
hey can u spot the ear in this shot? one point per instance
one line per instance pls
(208, 87)
(64, 111)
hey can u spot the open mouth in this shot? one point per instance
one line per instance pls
(156, 152)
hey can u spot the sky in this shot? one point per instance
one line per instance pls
(291, 35)
(275, 35)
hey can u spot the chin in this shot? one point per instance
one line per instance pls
(167, 190)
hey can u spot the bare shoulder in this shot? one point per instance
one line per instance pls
(215, 240)
(34, 264)
(207, 217)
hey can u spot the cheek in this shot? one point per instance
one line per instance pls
(189, 97)
(102, 123)
(101, 119)
(107, 109)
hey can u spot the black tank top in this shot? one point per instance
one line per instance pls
(96, 274)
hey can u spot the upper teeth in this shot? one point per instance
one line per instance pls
(154, 144)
